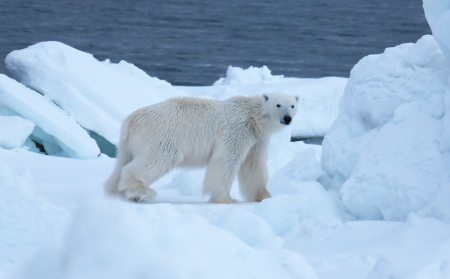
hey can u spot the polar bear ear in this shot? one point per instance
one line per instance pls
(266, 97)
(297, 97)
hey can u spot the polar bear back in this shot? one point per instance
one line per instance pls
(187, 126)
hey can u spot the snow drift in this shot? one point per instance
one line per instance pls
(158, 242)
(388, 150)
(28, 223)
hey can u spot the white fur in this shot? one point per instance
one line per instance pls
(228, 137)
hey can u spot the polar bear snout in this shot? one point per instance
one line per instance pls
(286, 120)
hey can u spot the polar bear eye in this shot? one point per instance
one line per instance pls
(292, 106)
(278, 105)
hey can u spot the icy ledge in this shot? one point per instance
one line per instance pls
(98, 95)
(54, 128)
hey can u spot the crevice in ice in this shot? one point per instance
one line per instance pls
(46, 143)
(35, 89)
(105, 146)
(308, 140)
(47, 97)
(40, 147)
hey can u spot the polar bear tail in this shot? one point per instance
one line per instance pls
(123, 157)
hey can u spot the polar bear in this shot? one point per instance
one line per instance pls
(229, 137)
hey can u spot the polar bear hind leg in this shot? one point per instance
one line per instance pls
(138, 175)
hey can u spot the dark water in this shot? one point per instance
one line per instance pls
(192, 42)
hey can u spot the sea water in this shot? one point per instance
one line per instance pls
(192, 42)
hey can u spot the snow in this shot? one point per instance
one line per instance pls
(437, 13)
(372, 202)
(27, 222)
(388, 139)
(280, 212)
(252, 75)
(14, 131)
(54, 127)
(304, 166)
(305, 200)
(417, 248)
(100, 238)
(97, 95)
(296, 181)
(215, 236)
(153, 238)
(249, 227)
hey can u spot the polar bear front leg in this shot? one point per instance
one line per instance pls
(219, 177)
(254, 173)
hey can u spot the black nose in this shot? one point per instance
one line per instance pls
(287, 119)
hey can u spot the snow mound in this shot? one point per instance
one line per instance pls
(249, 227)
(54, 129)
(281, 150)
(298, 179)
(437, 13)
(428, 238)
(252, 75)
(27, 223)
(14, 130)
(112, 239)
(313, 201)
(416, 248)
(318, 106)
(97, 95)
(303, 167)
(188, 182)
(388, 150)
(280, 212)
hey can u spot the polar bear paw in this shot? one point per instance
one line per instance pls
(141, 195)
(261, 196)
(223, 200)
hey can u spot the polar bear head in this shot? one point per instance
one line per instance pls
(280, 107)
